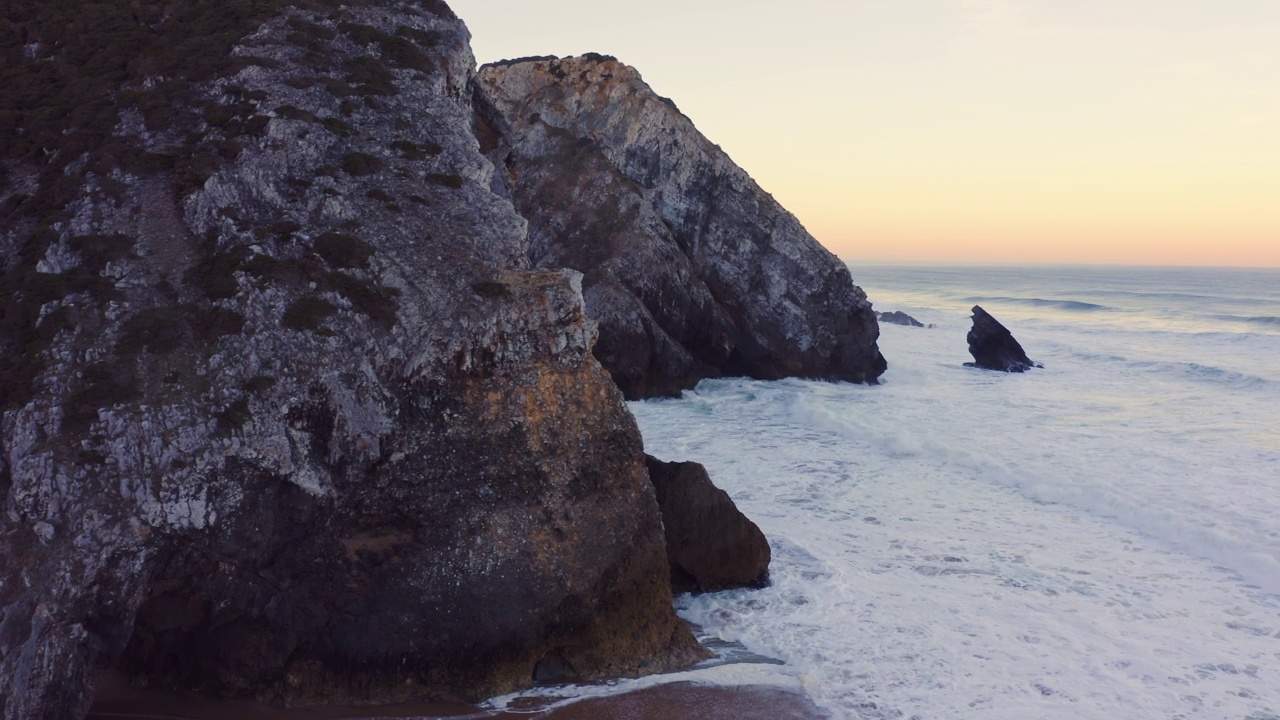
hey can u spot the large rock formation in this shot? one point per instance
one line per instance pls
(286, 413)
(690, 268)
(993, 347)
(711, 545)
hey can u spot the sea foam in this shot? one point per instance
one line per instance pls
(1097, 539)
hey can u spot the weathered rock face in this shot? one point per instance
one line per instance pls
(690, 268)
(711, 545)
(305, 426)
(897, 317)
(993, 346)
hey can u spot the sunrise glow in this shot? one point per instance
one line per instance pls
(1131, 132)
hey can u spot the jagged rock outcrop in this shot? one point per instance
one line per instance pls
(286, 414)
(690, 268)
(993, 346)
(897, 317)
(711, 545)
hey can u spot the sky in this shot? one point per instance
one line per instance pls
(987, 131)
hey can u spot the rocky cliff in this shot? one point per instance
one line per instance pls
(286, 412)
(690, 268)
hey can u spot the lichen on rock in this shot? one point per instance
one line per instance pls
(302, 423)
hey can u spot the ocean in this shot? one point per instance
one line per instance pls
(1097, 539)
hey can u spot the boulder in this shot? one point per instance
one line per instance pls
(691, 269)
(897, 317)
(993, 346)
(711, 545)
(285, 411)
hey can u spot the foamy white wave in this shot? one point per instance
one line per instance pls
(1100, 539)
(539, 700)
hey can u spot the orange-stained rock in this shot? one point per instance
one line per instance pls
(287, 412)
(711, 545)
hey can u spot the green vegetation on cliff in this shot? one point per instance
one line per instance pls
(94, 91)
(69, 70)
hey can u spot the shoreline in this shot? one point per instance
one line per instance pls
(116, 700)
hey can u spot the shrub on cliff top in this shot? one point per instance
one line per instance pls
(358, 163)
(378, 302)
(492, 289)
(307, 313)
(424, 38)
(97, 250)
(68, 70)
(399, 49)
(416, 151)
(371, 76)
(234, 417)
(100, 386)
(343, 251)
(449, 180)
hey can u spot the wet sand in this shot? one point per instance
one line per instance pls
(674, 701)
(684, 701)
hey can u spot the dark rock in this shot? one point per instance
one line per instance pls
(301, 423)
(897, 317)
(711, 545)
(690, 268)
(993, 346)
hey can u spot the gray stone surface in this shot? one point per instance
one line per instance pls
(690, 268)
(313, 430)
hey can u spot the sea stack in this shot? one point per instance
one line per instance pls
(897, 317)
(993, 347)
(711, 545)
(691, 269)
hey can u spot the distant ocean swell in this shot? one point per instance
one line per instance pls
(1262, 320)
(1074, 305)
(1097, 539)
(1195, 372)
(1182, 297)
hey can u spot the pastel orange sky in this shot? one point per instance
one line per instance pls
(1012, 131)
